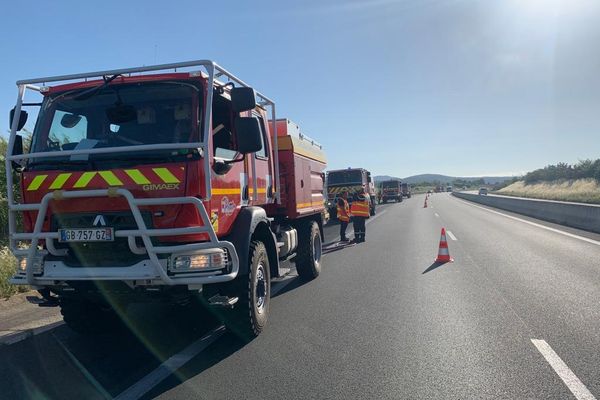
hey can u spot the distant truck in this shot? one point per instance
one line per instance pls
(406, 190)
(391, 190)
(351, 180)
(448, 188)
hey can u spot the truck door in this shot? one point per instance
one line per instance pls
(227, 177)
(259, 168)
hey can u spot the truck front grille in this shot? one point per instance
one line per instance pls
(98, 254)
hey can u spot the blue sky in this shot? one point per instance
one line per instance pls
(458, 87)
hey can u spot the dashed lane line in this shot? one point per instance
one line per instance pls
(451, 235)
(579, 390)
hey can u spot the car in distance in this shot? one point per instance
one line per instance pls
(483, 191)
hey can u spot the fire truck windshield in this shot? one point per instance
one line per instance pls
(117, 116)
(344, 177)
(390, 184)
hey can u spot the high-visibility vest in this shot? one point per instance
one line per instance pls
(343, 211)
(360, 208)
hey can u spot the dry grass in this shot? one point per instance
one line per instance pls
(581, 190)
(7, 270)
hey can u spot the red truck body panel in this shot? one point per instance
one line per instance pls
(301, 167)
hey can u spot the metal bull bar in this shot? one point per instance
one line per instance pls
(213, 71)
(142, 231)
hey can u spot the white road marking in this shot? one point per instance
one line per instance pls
(351, 230)
(279, 285)
(451, 235)
(579, 390)
(16, 335)
(171, 365)
(84, 371)
(572, 235)
(436, 214)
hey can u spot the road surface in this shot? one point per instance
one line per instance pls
(516, 315)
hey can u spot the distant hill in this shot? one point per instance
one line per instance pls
(443, 179)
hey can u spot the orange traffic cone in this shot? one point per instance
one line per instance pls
(443, 253)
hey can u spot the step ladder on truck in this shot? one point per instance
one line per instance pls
(173, 183)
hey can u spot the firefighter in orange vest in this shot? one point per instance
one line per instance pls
(343, 215)
(360, 212)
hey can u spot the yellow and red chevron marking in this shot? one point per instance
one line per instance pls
(340, 189)
(103, 179)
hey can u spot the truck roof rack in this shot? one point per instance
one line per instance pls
(213, 71)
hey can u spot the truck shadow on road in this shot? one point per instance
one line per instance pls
(60, 363)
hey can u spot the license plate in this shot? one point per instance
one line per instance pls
(86, 235)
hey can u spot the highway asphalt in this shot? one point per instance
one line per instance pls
(515, 316)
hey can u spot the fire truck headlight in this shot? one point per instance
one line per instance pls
(204, 260)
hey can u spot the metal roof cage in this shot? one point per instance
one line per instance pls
(211, 73)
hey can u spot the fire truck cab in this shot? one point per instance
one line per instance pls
(177, 186)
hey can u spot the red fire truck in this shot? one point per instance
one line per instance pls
(169, 183)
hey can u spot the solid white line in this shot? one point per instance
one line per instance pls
(171, 365)
(351, 230)
(279, 285)
(84, 371)
(375, 217)
(436, 214)
(451, 235)
(568, 377)
(572, 235)
(15, 337)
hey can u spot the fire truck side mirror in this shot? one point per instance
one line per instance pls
(247, 135)
(22, 119)
(242, 99)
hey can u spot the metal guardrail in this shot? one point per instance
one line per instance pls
(575, 215)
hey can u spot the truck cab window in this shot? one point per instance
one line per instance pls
(155, 113)
(67, 130)
(223, 144)
(263, 152)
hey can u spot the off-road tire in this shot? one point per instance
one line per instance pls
(310, 253)
(248, 319)
(87, 318)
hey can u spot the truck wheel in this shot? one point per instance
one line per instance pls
(88, 318)
(310, 251)
(249, 316)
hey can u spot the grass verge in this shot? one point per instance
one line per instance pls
(7, 270)
(580, 190)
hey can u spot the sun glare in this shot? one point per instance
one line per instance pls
(548, 7)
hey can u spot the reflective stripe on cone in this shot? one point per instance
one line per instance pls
(443, 251)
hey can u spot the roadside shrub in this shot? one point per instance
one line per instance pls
(7, 270)
(584, 169)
